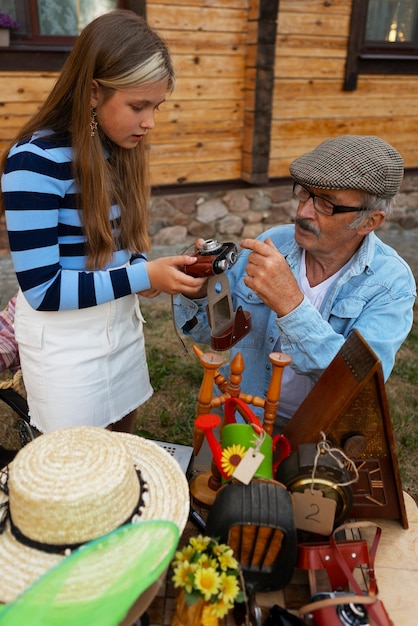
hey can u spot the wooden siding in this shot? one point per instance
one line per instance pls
(205, 131)
(309, 101)
(21, 94)
(198, 134)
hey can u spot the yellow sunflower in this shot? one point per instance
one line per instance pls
(231, 457)
(206, 561)
(184, 576)
(199, 543)
(185, 554)
(227, 561)
(208, 582)
(220, 609)
(208, 570)
(229, 589)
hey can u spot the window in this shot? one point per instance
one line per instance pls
(383, 39)
(47, 29)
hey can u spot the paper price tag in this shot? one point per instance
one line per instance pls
(248, 466)
(313, 512)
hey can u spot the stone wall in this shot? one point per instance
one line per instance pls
(239, 213)
(179, 219)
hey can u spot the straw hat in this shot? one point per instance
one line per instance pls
(74, 485)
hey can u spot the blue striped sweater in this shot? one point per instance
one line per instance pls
(45, 232)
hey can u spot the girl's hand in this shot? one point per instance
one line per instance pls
(166, 275)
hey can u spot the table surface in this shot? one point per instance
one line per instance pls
(396, 573)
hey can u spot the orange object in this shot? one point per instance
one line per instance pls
(203, 487)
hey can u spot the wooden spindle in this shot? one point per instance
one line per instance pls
(279, 361)
(210, 362)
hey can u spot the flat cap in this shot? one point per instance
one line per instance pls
(361, 162)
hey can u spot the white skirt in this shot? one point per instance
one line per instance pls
(85, 366)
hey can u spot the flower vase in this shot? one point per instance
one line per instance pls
(197, 614)
(4, 37)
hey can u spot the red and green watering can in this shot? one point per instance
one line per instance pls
(237, 438)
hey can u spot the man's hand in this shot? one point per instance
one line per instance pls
(270, 277)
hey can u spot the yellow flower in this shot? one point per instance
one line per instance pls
(222, 548)
(208, 570)
(183, 576)
(231, 457)
(206, 561)
(207, 581)
(229, 588)
(227, 561)
(200, 543)
(220, 609)
(185, 554)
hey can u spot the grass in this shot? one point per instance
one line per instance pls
(169, 414)
(403, 405)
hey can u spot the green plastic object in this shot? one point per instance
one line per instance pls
(98, 583)
(245, 435)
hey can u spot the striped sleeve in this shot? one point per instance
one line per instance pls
(46, 239)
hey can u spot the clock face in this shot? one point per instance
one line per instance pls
(370, 489)
(377, 493)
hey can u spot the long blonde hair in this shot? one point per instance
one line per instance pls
(119, 50)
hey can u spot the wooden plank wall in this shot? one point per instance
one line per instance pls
(198, 135)
(309, 102)
(200, 131)
(21, 93)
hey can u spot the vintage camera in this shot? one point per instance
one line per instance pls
(349, 614)
(213, 258)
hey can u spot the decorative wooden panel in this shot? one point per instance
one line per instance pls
(349, 404)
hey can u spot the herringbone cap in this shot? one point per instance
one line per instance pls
(361, 162)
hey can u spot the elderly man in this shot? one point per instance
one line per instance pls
(308, 285)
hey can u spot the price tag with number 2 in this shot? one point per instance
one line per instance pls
(314, 512)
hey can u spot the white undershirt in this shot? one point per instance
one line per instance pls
(295, 387)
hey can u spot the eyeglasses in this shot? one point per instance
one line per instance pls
(320, 204)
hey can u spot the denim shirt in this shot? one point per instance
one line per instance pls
(375, 296)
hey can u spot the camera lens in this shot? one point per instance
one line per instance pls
(231, 257)
(353, 615)
(210, 245)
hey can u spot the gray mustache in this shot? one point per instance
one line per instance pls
(306, 225)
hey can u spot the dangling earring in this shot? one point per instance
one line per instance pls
(93, 122)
